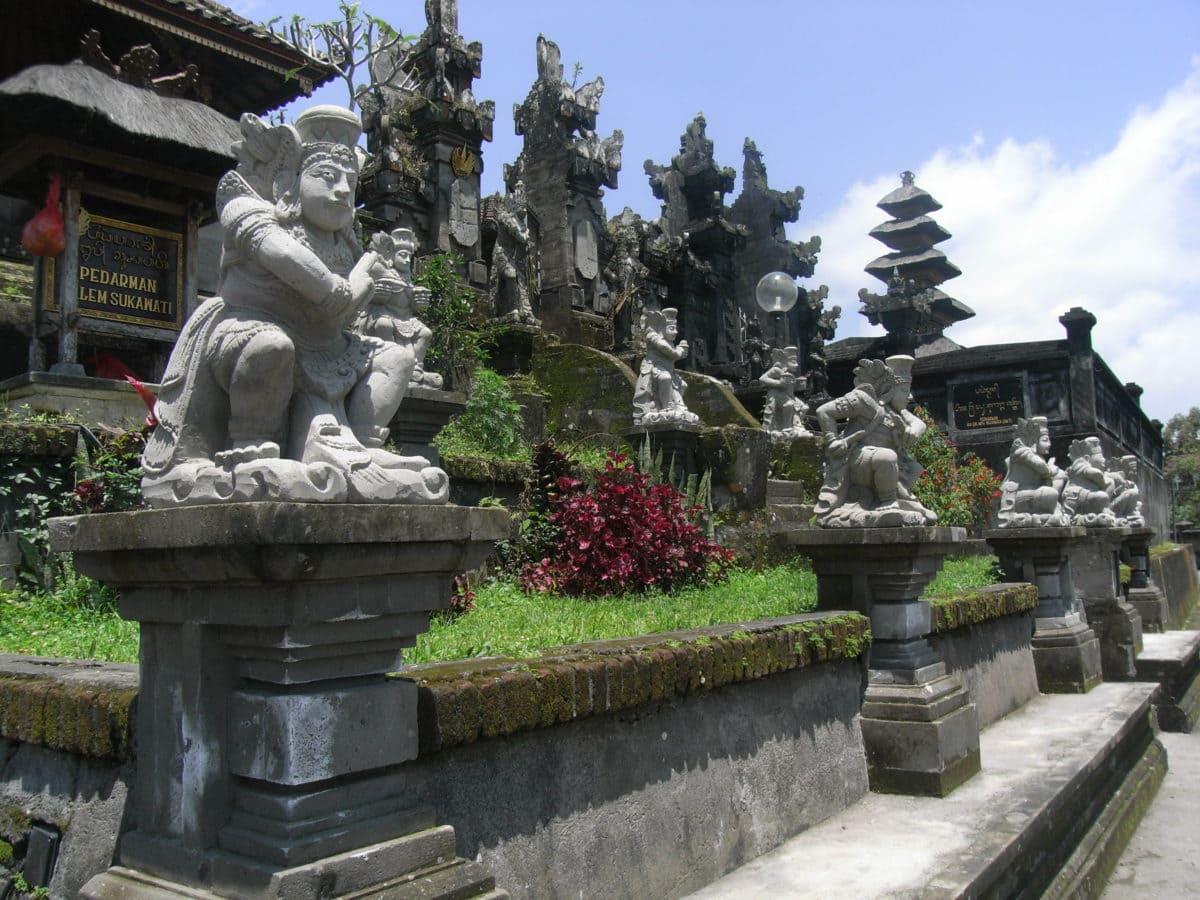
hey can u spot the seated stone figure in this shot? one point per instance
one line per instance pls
(391, 314)
(1085, 497)
(1126, 497)
(658, 394)
(268, 395)
(783, 413)
(868, 473)
(1032, 489)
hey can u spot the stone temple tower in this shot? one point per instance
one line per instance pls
(914, 311)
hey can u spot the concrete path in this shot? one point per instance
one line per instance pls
(1162, 861)
(919, 848)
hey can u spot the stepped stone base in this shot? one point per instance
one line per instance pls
(1066, 656)
(420, 866)
(1151, 605)
(1119, 628)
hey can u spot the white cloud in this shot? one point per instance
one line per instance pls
(1118, 234)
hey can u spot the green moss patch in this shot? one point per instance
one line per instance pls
(714, 402)
(587, 391)
(476, 468)
(75, 719)
(37, 440)
(984, 604)
(469, 700)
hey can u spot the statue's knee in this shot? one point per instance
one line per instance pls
(271, 348)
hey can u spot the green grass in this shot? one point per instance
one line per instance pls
(80, 619)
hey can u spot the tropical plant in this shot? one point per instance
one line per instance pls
(457, 318)
(959, 488)
(490, 426)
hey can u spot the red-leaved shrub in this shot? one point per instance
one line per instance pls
(623, 535)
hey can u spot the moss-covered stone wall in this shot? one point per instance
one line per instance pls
(86, 720)
(587, 391)
(469, 700)
(978, 606)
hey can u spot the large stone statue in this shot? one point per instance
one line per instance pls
(268, 395)
(658, 394)
(508, 287)
(391, 314)
(1086, 498)
(868, 474)
(1033, 484)
(783, 412)
(1126, 497)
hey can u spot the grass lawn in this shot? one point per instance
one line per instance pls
(505, 622)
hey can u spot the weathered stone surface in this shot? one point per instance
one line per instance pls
(1173, 660)
(1175, 572)
(737, 460)
(588, 391)
(993, 656)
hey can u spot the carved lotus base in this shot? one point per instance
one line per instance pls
(853, 515)
(1095, 520)
(668, 417)
(288, 480)
(1033, 520)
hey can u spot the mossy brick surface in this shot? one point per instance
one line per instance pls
(587, 391)
(468, 700)
(802, 461)
(34, 441)
(982, 605)
(474, 468)
(56, 704)
(714, 402)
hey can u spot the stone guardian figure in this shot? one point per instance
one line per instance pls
(1030, 495)
(268, 394)
(868, 473)
(658, 394)
(1126, 497)
(1085, 497)
(783, 412)
(508, 287)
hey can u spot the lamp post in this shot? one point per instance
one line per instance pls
(776, 294)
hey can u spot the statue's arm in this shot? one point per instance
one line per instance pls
(914, 427)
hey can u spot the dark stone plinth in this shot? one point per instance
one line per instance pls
(424, 412)
(268, 730)
(1173, 660)
(1096, 573)
(1066, 652)
(512, 353)
(677, 443)
(919, 725)
(1143, 594)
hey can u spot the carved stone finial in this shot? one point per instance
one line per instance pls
(907, 178)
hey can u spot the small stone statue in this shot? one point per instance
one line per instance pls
(391, 315)
(268, 394)
(658, 394)
(1086, 498)
(783, 413)
(1126, 497)
(868, 474)
(508, 288)
(1033, 484)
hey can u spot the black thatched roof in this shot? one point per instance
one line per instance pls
(83, 104)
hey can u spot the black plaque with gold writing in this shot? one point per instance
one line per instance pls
(993, 403)
(130, 273)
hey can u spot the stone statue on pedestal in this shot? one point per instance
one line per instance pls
(1033, 484)
(1086, 498)
(868, 473)
(658, 394)
(1126, 496)
(783, 413)
(508, 287)
(268, 395)
(391, 315)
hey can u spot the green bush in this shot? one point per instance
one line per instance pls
(490, 426)
(458, 319)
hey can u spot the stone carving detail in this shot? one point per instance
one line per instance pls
(268, 395)
(1086, 498)
(391, 315)
(783, 413)
(464, 210)
(868, 473)
(658, 394)
(508, 286)
(1032, 488)
(1126, 496)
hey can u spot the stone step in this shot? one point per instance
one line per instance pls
(458, 879)
(778, 489)
(789, 513)
(1172, 658)
(1065, 780)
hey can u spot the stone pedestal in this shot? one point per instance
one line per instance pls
(676, 442)
(1094, 566)
(424, 412)
(919, 725)
(1143, 594)
(513, 350)
(1066, 652)
(268, 731)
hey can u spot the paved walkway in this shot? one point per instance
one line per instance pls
(1162, 861)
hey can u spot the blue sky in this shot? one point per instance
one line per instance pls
(1062, 138)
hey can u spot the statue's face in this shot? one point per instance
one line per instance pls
(327, 195)
(1043, 443)
(898, 398)
(672, 331)
(403, 258)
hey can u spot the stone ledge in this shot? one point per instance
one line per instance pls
(464, 701)
(981, 605)
(79, 707)
(38, 440)
(473, 468)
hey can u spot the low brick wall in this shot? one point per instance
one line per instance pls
(1174, 571)
(985, 636)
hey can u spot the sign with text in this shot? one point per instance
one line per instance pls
(988, 404)
(129, 273)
